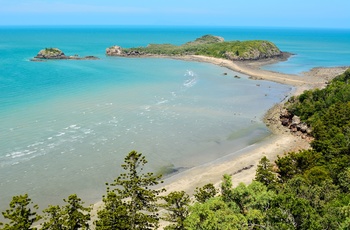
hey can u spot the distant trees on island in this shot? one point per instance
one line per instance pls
(309, 189)
(207, 45)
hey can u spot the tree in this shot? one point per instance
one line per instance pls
(264, 172)
(53, 217)
(177, 204)
(254, 196)
(291, 212)
(296, 163)
(72, 216)
(226, 188)
(205, 193)
(214, 214)
(20, 214)
(76, 216)
(344, 180)
(114, 214)
(135, 192)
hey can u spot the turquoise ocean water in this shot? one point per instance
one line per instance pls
(65, 126)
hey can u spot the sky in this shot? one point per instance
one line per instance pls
(259, 13)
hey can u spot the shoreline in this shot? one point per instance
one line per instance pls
(242, 164)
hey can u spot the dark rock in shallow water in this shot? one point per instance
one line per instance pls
(57, 54)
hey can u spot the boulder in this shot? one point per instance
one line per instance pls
(302, 127)
(285, 121)
(114, 51)
(309, 131)
(285, 114)
(296, 120)
(294, 124)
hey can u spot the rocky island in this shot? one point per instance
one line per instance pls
(57, 54)
(207, 45)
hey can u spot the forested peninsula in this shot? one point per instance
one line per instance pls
(207, 45)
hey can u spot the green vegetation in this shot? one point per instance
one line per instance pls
(205, 193)
(52, 50)
(327, 111)
(20, 214)
(133, 203)
(177, 204)
(72, 216)
(212, 46)
(309, 189)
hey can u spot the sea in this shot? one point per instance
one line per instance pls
(66, 125)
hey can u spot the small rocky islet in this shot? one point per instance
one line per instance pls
(57, 54)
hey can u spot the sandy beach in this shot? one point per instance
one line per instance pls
(242, 165)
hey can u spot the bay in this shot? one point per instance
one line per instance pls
(65, 126)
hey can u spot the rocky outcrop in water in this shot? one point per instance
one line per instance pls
(57, 54)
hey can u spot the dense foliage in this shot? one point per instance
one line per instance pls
(327, 111)
(213, 46)
(309, 189)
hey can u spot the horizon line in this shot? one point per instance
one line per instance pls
(173, 26)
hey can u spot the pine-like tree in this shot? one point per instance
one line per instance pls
(53, 218)
(226, 188)
(135, 195)
(20, 214)
(114, 214)
(177, 205)
(264, 172)
(75, 215)
(72, 216)
(205, 193)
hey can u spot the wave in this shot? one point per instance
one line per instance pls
(162, 102)
(47, 145)
(192, 79)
